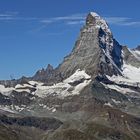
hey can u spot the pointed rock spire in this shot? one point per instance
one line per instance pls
(95, 51)
(138, 48)
(93, 19)
(49, 68)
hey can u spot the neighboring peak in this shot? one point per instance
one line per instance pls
(49, 67)
(138, 48)
(46, 71)
(44, 75)
(93, 19)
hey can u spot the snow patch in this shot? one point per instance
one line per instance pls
(33, 83)
(136, 53)
(94, 14)
(108, 104)
(78, 75)
(119, 89)
(131, 72)
(115, 101)
(131, 76)
(54, 110)
(23, 86)
(22, 90)
(5, 91)
(6, 108)
(19, 109)
(64, 88)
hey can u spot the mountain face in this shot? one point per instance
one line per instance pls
(95, 51)
(94, 94)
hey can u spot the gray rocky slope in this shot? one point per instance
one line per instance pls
(94, 94)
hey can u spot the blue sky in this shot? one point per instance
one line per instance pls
(34, 33)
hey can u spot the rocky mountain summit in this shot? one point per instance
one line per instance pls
(95, 51)
(94, 94)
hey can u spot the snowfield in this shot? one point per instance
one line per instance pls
(136, 53)
(132, 72)
(61, 89)
(65, 88)
(5, 91)
(131, 77)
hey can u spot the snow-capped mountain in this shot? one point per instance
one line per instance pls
(96, 50)
(94, 91)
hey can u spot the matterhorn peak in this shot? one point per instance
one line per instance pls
(95, 51)
(93, 19)
(94, 14)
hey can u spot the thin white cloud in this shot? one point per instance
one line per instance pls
(5, 15)
(37, 29)
(75, 22)
(74, 19)
(116, 20)
(122, 21)
(46, 21)
(6, 18)
(71, 17)
(80, 19)
(8, 15)
(14, 16)
(135, 23)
